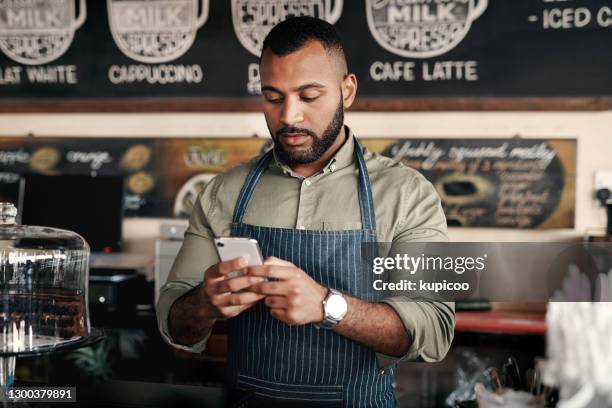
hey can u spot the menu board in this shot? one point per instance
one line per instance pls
(152, 55)
(505, 183)
(500, 182)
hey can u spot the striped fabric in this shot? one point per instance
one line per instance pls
(302, 365)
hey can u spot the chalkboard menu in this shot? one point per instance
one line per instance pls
(193, 54)
(510, 183)
(506, 183)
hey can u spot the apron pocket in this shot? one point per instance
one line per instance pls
(300, 394)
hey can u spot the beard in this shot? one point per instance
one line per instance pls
(319, 146)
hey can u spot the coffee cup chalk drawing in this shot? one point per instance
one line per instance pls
(253, 19)
(421, 28)
(35, 32)
(156, 31)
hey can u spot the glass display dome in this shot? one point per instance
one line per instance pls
(44, 276)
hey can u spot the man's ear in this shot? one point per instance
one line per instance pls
(349, 90)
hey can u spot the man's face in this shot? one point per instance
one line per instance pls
(303, 102)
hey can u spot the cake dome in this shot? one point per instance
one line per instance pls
(44, 276)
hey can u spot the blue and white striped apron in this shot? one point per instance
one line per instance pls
(302, 365)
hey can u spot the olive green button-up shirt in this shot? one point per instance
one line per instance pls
(407, 209)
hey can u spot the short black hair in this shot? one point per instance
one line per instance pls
(295, 32)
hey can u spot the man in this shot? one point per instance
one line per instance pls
(306, 336)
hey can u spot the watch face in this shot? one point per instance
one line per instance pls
(335, 306)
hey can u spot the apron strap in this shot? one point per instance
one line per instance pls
(246, 193)
(366, 200)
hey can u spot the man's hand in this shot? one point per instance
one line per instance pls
(193, 315)
(292, 296)
(296, 299)
(228, 297)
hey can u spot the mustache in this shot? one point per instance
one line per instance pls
(290, 129)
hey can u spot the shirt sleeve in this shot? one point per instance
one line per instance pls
(196, 254)
(430, 324)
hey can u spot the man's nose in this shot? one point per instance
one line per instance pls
(291, 113)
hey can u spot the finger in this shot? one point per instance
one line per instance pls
(231, 311)
(236, 299)
(236, 284)
(277, 302)
(214, 271)
(272, 260)
(273, 271)
(282, 288)
(226, 267)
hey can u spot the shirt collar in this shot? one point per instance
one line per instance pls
(344, 157)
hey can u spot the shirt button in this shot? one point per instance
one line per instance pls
(301, 227)
(308, 182)
(332, 167)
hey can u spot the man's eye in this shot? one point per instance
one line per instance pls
(274, 100)
(309, 98)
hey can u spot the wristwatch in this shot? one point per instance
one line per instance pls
(334, 308)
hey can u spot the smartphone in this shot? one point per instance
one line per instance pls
(230, 248)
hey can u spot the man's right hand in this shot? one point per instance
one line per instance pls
(192, 316)
(227, 297)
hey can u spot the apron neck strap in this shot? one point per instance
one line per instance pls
(366, 200)
(246, 193)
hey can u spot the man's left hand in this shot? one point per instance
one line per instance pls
(292, 296)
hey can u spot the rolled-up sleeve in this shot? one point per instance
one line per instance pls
(170, 293)
(430, 324)
(196, 254)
